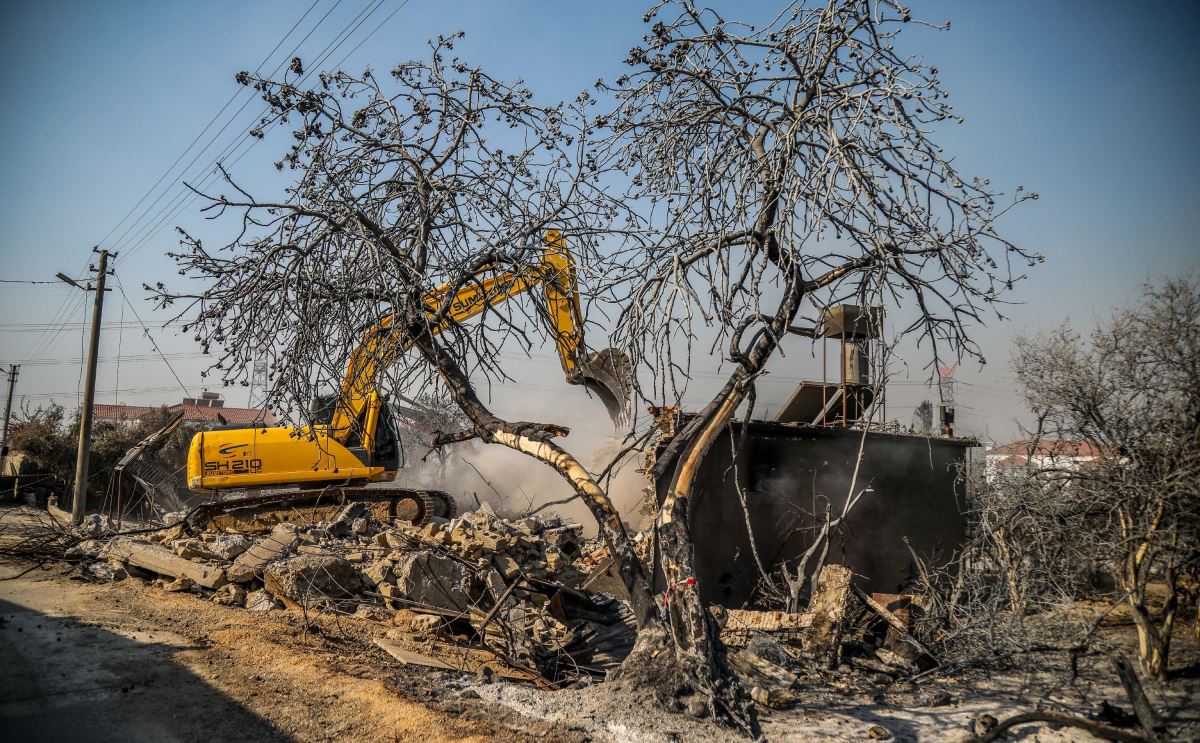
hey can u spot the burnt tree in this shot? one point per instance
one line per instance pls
(1127, 396)
(782, 166)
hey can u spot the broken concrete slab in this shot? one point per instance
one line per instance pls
(163, 561)
(272, 547)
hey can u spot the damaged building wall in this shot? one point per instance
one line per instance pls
(789, 475)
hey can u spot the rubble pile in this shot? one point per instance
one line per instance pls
(527, 598)
(508, 589)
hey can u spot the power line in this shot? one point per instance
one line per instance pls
(151, 228)
(186, 197)
(124, 359)
(382, 23)
(66, 309)
(146, 330)
(73, 325)
(203, 131)
(127, 390)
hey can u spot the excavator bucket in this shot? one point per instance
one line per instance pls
(607, 373)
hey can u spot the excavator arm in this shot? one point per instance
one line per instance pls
(345, 448)
(356, 415)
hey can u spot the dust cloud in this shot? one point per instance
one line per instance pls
(513, 483)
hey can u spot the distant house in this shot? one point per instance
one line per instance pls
(207, 411)
(1042, 454)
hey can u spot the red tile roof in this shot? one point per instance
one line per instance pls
(191, 413)
(122, 412)
(232, 416)
(1048, 448)
(1020, 453)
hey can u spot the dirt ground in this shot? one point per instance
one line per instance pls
(129, 662)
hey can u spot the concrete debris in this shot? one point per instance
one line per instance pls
(378, 573)
(425, 624)
(163, 561)
(260, 600)
(105, 572)
(302, 579)
(230, 594)
(89, 549)
(434, 580)
(192, 549)
(274, 546)
(226, 546)
(182, 583)
(526, 599)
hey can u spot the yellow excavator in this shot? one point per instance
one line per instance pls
(359, 443)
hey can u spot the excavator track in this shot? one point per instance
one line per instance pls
(258, 513)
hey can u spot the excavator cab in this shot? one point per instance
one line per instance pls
(386, 450)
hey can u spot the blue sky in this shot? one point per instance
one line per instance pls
(1091, 104)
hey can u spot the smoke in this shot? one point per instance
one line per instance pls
(514, 483)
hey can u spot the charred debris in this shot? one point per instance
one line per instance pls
(527, 599)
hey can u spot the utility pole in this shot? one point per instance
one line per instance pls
(13, 371)
(82, 454)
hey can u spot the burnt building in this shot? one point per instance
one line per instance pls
(792, 477)
(797, 471)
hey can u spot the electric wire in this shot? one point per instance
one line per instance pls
(158, 220)
(67, 306)
(149, 336)
(204, 131)
(66, 309)
(188, 196)
(216, 136)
